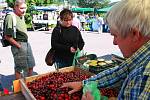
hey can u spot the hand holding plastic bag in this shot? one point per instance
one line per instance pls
(78, 54)
(91, 87)
(87, 96)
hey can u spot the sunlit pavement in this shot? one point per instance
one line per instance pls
(99, 44)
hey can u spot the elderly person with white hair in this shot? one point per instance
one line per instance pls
(20, 47)
(129, 22)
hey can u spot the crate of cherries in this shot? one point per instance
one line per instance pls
(48, 86)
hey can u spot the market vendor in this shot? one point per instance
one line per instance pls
(129, 22)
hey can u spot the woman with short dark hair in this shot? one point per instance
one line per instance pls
(66, 39)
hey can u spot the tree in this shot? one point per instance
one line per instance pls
(30, 4)
(93, 3)
(10, 3)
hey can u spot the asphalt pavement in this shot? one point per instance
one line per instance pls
(99, 44)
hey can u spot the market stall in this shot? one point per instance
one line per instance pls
(45, 18)
(82, 10)
(103, 10)
(47, 86)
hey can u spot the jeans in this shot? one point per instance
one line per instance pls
(61, 63)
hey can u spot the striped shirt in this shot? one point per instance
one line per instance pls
(132, 77)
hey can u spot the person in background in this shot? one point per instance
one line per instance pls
(101, 22)
(82, 21)
(76, 21)
(129, 22)
(65, 40)
(95, 24)
(21, 49)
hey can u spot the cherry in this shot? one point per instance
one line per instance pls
(48, 87)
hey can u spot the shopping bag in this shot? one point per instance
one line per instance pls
(78, 54)
(92, 88)
(50, 57)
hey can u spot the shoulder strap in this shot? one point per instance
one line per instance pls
(14, 23)
(58, 27)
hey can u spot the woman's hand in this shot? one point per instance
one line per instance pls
(72, 49)
(76, 86)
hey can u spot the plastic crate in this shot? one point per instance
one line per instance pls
(99, 68)
(116, 61)
(83, 59)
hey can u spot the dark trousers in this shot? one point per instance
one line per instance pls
(61, 63)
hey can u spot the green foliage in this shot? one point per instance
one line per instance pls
(30, 11)
(80, 3)
(40, 2)
(93, 3)
(10, 3)
(28, 18)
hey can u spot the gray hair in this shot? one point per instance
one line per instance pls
(19, 2)
(129, 14)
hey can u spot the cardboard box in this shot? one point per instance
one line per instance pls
(27, 93)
